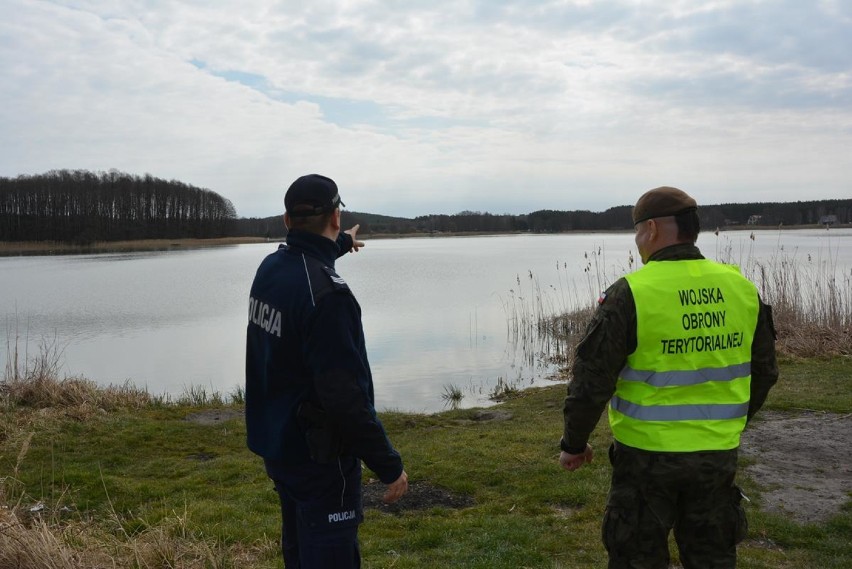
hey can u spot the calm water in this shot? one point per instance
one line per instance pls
(435, 310)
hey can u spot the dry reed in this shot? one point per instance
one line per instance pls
(546, 322)
(811, 301)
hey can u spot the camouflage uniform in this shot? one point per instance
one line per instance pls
(655, 492)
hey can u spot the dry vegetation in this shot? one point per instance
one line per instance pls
(33, 535)
(35, 541)
(811, 306)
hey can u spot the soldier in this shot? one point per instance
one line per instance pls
(683, 350)
(309, 393)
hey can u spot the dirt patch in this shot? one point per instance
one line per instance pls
(202, 456)
(420, 496)
(214, 416)
(564, 511)
(801, 462)
(491, 415)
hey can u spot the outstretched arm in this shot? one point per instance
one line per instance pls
(348, 241)
(353, 233)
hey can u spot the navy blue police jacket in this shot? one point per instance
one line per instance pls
(305, 342)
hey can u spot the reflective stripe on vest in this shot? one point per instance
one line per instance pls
(679, 412)
(686, 377)
(686, 386)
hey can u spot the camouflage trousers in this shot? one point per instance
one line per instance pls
(693, 494)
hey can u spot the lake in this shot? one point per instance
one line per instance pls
(436, 310)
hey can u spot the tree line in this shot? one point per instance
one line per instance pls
(78, 206)
(834, 212)
(544, 221)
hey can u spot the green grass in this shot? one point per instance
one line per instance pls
(130, 471)
(823, 384)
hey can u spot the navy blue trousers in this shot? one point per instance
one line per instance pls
(320, 512)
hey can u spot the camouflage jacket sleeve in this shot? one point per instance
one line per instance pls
(764, 368)
(600, 356)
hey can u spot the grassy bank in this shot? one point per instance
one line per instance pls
(102, 478)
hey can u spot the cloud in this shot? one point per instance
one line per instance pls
(434, 107)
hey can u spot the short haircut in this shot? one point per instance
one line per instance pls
(688, 226)
(311, 223)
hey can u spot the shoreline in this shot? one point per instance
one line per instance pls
(47, 248)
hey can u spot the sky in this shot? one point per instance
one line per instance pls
(417, 107)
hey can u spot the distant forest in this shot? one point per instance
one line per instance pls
(827, 212)
(82, 207)
(78, 206)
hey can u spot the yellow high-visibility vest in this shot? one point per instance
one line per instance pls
(686, 387)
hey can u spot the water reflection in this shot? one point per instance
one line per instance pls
(457, 312)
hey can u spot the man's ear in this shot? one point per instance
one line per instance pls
(653, 230)
(287, 221)
(335, 220)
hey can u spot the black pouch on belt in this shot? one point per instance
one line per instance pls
(322, 437)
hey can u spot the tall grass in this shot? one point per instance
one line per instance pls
(36, 382)
(811, 299)
(545, 322)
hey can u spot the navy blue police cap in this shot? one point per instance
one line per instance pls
(311, 195)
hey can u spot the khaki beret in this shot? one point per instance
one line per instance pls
(662, 202)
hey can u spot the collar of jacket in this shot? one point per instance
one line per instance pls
(316, 246)
(679, 252)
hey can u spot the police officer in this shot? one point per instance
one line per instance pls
(683, 350)
(309, 391)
